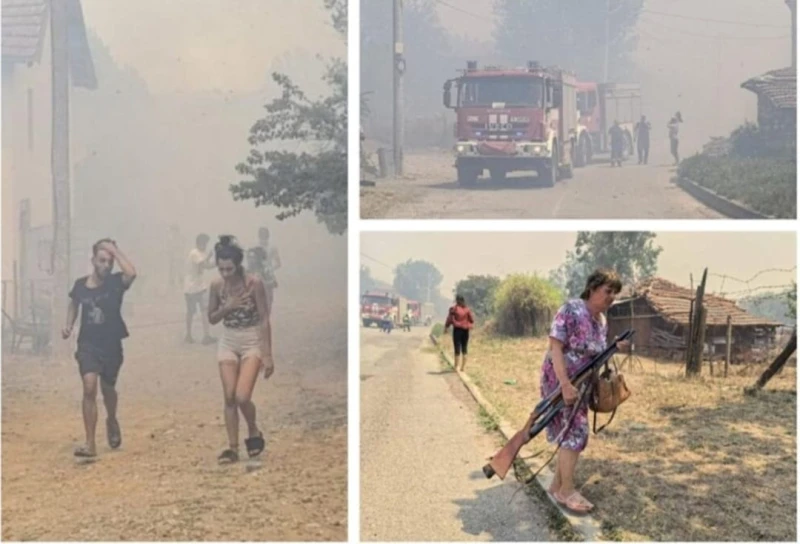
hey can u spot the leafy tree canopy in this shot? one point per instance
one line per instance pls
(314, 179)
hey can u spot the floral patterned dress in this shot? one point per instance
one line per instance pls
(583, 337)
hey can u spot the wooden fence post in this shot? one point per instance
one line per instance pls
(728, 344)
(701, 338)
(698, 330)
(689, 335)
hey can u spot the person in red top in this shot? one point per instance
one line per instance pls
(461, 319)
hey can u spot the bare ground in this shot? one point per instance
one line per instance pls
(428, 190)
(422, 443)
(164, 483)
(684, 460)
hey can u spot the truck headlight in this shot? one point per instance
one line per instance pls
(463, 149)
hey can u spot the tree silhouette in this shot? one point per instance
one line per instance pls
(314, 179)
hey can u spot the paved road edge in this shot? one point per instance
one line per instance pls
(586, 526)
(717, 202)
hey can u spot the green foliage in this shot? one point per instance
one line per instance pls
(767, 185)
(525, 305)
(437, 330)
(748, 141)
(569, 33)
(479, 291)
(309, 180)
(417, 279)
(791, 302)
(487, 420)
(632, 255)
(571, 274)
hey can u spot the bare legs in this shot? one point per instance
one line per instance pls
(89, 408)
(192, 306)
(563, 487)
(248, 374)
(238, 381)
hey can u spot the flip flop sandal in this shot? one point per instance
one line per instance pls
(255, 444)
(114, 434)
(227, 457)
(84, 452)
(553, 496)
(577, 504)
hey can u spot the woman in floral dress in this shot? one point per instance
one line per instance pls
(578, 333)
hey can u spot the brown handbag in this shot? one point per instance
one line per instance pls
(609, 390)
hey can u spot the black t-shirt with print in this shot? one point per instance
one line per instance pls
(101, 318)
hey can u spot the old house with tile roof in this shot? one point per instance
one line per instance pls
(27, 106)
(777, 105)
(660, 312)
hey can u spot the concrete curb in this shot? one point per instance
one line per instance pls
(717, 202)
(586, 526)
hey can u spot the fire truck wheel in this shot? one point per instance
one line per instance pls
(549, 173)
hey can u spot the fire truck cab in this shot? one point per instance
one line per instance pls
(375, 305)
(507, 120)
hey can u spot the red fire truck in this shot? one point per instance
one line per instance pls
(377, 304)
(513, 119)
(416, 311)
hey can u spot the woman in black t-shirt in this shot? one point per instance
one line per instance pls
(99, 296)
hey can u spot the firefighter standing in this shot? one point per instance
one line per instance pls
(617, 143)
(642, 132)
(673, 136)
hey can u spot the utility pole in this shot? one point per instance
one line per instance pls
(793, 7)
(608, 39)
(398, 70)
(59, 154)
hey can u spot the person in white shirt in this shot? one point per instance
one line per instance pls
(673, 136)
(195, 288)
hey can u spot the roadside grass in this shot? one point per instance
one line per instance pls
(684, 459)
(767, 185)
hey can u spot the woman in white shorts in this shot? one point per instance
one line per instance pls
(245, 347)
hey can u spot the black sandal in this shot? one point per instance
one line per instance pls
(255, 444)
(114, 434)
(228, 456)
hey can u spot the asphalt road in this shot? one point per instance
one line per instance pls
(422, 449)
(429, 190)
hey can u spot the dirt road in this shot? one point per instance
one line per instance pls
(164, 483)
(429, 191)
(422, 449)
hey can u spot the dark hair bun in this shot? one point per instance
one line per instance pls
(227, 240)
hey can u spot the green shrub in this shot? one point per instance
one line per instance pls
(767, 185)
(478, 291)
(437, 330)
(525, 305)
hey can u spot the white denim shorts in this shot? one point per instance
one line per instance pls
(238, 344)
